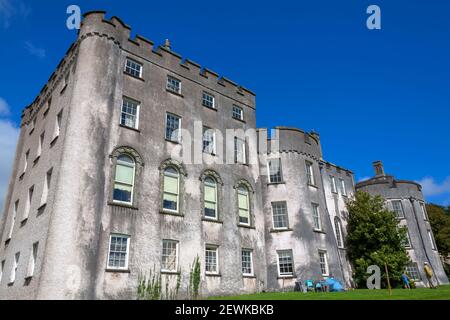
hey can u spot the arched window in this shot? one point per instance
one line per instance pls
(338, 230)
(124, 179)
(171, 189)
(243, 204)
(210, 198)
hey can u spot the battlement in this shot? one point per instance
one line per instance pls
(290, 140)
(114, 29)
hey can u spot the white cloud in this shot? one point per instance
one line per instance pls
(4, 107)
(8, 139)
(432, 188)
(35, 51)
(11, 8)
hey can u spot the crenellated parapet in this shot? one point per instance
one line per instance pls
(144, 50)
(290, 140)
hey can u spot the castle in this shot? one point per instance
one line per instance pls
(132, 158)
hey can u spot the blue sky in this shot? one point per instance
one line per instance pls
(372, 95)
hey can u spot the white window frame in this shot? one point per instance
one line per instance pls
(238, 141)
(402, 216)
(430, 235)
(409, 272)
(138, 109)
(15, 267)
(212, 133)
(169, 84)
(30, 196)
(316, 215)
(25, 165)
(250, 251)
(32, 261)
(212, 248)
(179, 128)
(241, 113)
(408, 243)
(216, 186)
(291, 254)
(46, 188)
(127, 253)
(325, 263)
(133, 69)
(245, 193)
(286, 214)
(343, 187)
(333, 184)
(170, 174)
(310, 173)
(424, 211)
(205, 102)
(338, 231)
(58, 121)
(40, 144)
(280, 170)
(121, 183)
(177, 254)
(13, 219)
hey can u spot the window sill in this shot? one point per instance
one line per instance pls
(23, 222)
(212, 220)
(210, 108)
(31, 132)
(133, 76)
(130, 128)
(118, 270)
(280, 230)
(218, 275)
(319, 231)
(175, 93)
(36, 160)
(7, 242)
(173, 141)
(122, 205)
(63, 89)
(41, 209)
(175, 214)
(240, 120)
(170, 273)
(286, 277)
(46, 112)
(275, 183)
(313, 186)
(248, 276)
(246, 226)
(55, 139)
(21, 176)
(10, 284)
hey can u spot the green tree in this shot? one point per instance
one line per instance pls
(374, 238)
(440, 225)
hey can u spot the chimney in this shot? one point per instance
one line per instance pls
(379, 169)
(167, 44)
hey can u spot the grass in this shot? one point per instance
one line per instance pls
(441, 293)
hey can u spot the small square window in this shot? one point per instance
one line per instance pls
(118, 252)
(285, 263)
(129, 113)
(173, 85)
(173, 128)
(211, 260)
(275, 171)
(280, 215)
(238, 113)
(208, 100)
(133, 68)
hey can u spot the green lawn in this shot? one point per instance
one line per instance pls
(442, 293)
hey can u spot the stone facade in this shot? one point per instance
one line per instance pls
(61, 210)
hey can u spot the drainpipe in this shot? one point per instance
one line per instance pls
(331, 223)
(412, 199)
